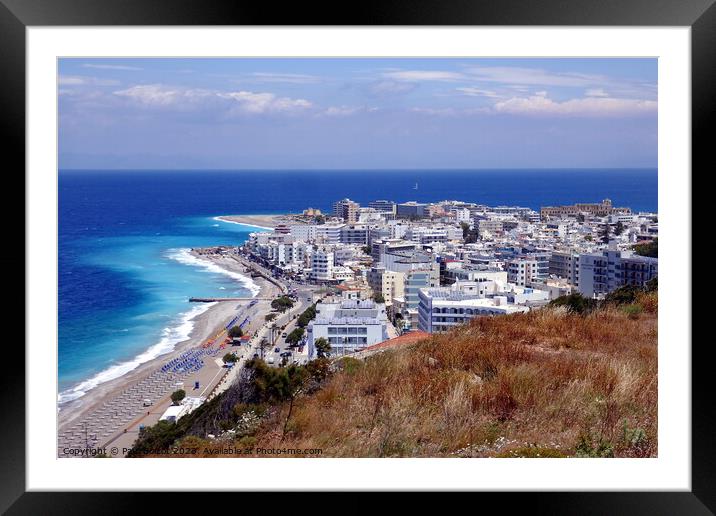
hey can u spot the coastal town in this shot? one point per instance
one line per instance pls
(428, 267)
(356, 280)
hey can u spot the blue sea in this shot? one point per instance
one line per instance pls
(125, 276)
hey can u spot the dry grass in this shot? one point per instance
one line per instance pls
(546, 383)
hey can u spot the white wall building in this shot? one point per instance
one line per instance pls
(601, 273)
(348, 326)
(322, 263)
(443, 308)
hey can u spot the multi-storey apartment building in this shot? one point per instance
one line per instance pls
(347, 210)
(441, 309)
(565, 264)
(383, 206)
(522, 271)
(349, 325)
(322, 263)
(601, 273)
(411, 209)
(380, 248)
(354, 234)
(389, 284)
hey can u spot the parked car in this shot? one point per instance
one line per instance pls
(277, 350)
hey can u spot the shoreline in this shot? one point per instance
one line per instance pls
(205, 326)
(267, 222)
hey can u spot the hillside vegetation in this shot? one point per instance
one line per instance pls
(550, 383)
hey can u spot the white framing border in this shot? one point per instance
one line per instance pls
(671, 470)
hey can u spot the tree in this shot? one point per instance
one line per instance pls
(604, 234)
(575, 303)
(323, 347)
(295, 336)
(307, 316)
(650, 249)
(588, 238)
(367, 249)
(230, 358)
(236, 332)
(469, 235)
(619, 228)
(280, 384)
(177, 396)
(263, 345)
(623, 295)
(378, 297)
(270, 317)
(282, 303)
(580, 217)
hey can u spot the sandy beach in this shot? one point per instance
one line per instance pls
(263, 221)
(115, 407)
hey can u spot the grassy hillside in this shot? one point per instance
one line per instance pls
(549, 383)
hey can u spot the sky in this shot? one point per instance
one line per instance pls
(377, 113)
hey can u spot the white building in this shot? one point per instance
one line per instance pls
(389, 284)
(430, 234)
(521, 271)
(479, 274)
(354, 234)
(600, 273)
(462, 215)
(348, 326)
(443, 308)
(303, 232)
(322, 263)
(328, 233)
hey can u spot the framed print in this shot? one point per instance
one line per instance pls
(412, 250)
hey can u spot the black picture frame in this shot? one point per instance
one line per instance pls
(17, 15)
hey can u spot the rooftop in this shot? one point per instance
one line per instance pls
(336, 321)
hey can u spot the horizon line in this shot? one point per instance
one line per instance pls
(377, 169)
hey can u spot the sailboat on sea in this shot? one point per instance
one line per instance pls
(415, 187)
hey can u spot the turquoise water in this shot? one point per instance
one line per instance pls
(148, 313)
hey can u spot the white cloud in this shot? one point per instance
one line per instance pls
(111, 67)
(596, 92)
(423, 75)
(532, 76)
(80, 80)
(341, 111)
(250, 102)
(159, 95)
(477, 92)
(232, 103)
(588, 106)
